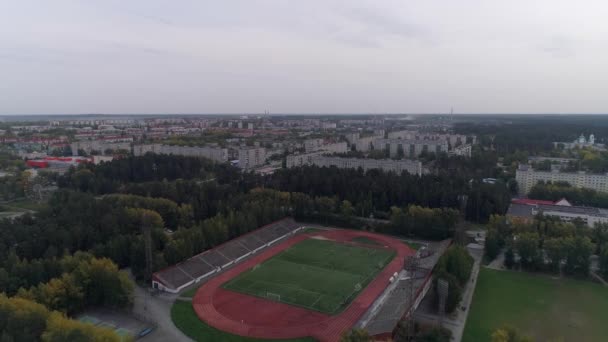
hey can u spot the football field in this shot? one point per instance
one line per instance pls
(319, 275)
(540, 306)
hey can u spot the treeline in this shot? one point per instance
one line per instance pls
(577, 196)
(375, 192)
(532, 134)
(109, 177)
(425, 223)
(24, 320)
(547, 244)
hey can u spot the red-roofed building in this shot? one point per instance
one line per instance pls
(529, 201)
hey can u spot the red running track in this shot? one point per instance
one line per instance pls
(256, 317)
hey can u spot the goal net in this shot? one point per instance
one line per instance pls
(273, 296)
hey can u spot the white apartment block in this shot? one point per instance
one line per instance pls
(462, 150)
(313, 145)
(99, 146)
(297, 160)
(410, 148)
(398, 166)
(527, 177)
(250, 157)
(453, 139)
(213, 153)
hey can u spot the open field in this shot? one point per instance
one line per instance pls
(541, 307)
(314, 274)
(187, 321)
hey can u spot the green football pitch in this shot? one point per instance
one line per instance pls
(319, 275)
(542, 307)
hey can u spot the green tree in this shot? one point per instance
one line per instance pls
(555, 251)
(509, 334)
(578, 254)
(60, 329)
(356, 335)
(604, 262)
(527, 248)
(346, 209)
(493, 244)
(509, 258)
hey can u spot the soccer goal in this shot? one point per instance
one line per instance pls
(273, 296)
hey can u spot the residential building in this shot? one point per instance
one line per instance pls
(250, 157)
(410, 148)
(99, 146)
(527, 177)
(462, 150)
(398, 166)
(214, 153)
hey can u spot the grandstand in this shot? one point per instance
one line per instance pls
(175, 278)
(394, 304)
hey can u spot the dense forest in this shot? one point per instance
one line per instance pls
(375, 192)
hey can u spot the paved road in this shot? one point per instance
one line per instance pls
(158, 309)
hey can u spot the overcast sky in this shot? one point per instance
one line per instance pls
(303, 56)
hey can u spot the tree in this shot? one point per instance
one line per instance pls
(554, 248)
(527, 248)
(493, 244)
(346, 209)
(356, 335)
(61, 329)
(509, 258)
(509, 334)
(604, 262)
(578, 254)
(455, 267)
(21, 319)
(104, 284)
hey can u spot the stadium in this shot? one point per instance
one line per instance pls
(285, 281)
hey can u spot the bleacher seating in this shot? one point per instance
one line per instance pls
(196, 267)
(232, 250)
(183, 274)
(214, 258)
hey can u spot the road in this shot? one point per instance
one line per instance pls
(157, 309)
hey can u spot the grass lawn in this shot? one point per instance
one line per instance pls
(541, 307)
(365, 240)
(315, 274)
(186, 320)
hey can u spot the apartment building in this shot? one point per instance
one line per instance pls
(214, 153)
(410, 148)
(388, 165)
(527, 177)
(250, 157)
(99, 146)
